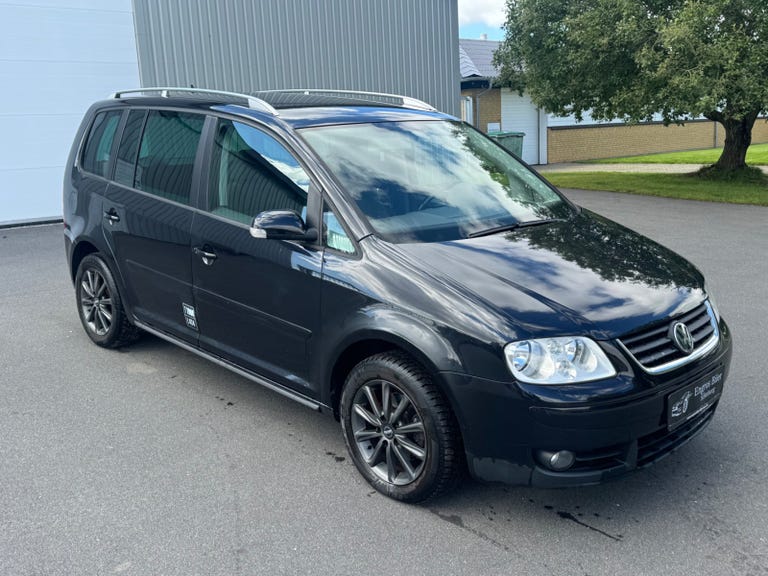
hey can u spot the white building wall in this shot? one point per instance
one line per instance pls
(57, 57)
(519, 114)
(543, 135)
(587, 120)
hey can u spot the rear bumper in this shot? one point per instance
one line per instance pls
(68, 252)
(504, 427)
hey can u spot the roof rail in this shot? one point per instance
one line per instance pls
(252, 102)
(405, 101)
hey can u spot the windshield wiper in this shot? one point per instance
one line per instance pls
(515, 226)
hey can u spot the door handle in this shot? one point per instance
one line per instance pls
(208, 257)
(112, 216)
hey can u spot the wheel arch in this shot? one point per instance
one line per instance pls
(412, 337)
(80, 251)
(87, 246)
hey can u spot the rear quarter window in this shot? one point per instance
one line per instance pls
(125, 164)
(97, 152)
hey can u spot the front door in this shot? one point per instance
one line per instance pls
(257, 300)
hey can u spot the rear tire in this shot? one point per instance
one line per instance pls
(399, 429)
(100, 306)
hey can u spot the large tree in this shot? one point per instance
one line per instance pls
(631, 59)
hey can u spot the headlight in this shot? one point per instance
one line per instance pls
(557, 360)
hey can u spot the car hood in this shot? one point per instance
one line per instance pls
(586, 275)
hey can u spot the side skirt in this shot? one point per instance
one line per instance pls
(300, 398)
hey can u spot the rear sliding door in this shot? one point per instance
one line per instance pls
(148, 207)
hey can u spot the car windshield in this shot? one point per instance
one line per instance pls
(433, 181)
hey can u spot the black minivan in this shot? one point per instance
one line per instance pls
(370, 257)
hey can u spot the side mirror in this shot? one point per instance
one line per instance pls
(282, 225)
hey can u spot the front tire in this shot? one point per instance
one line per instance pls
(100, 306)
(399, 429)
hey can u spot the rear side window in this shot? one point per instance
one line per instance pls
(125, 165)
(98, 147)
(167, 154)
(251, 172)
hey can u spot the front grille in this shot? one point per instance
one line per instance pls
(654, 350)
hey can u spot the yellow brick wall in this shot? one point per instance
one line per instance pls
(487, 104)
(589, 143)
(759, 131)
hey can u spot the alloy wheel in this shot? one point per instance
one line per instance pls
(389, 432)
(96, 302)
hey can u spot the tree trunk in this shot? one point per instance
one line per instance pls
(738, 137)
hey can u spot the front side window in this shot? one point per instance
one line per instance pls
(334, 234)
(432, 181)
(98, 148)
(251, 172)
(167, 154)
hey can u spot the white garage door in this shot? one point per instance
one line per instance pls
(519, 114)
(57, 57)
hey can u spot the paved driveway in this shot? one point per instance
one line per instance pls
(151, 461)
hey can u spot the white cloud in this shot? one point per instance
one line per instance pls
(488, 12)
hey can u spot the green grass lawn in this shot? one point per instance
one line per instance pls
(756, 155)
(683, 186)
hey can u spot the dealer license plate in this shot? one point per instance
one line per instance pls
(692, 400)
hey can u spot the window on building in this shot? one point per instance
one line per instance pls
(467, 110)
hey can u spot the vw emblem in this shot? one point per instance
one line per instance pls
(682, 338)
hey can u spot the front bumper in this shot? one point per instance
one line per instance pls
(504, 425)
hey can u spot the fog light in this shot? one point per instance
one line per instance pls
(557, 461)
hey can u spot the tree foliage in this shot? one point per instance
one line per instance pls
(631, 59)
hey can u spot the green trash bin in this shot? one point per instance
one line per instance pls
(512, 141)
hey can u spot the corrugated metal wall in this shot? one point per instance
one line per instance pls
(407, 47)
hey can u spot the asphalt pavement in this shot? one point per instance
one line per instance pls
(150, 461)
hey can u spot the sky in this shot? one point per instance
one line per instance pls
(481, 16)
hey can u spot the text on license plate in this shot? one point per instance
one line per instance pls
(693, 400)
